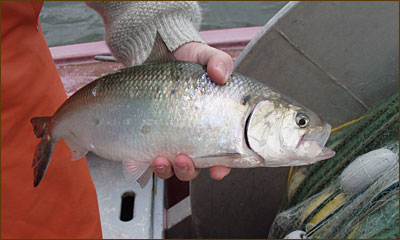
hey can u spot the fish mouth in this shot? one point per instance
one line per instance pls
(325, 154)
(320, 151)
(316, 143)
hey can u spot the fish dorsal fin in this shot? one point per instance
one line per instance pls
(159, 52)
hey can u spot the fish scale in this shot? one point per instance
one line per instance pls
(138, 113)
(145, 87)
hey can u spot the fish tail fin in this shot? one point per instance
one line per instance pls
(44, 150)
(40, 124)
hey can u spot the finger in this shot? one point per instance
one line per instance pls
(184, 168)
(219, 172)
(162, 167)
(219, 68)
(219, 64)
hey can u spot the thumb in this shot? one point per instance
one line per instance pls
(219, 67)
(219, 64)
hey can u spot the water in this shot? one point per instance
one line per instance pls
(73, 22)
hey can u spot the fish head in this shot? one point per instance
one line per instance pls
(287, 135)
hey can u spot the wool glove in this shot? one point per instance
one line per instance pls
(131, 27)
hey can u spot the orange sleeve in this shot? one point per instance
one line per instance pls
(64, 205)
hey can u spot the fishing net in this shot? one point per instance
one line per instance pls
(339, 197)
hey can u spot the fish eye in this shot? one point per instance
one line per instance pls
(302, 120)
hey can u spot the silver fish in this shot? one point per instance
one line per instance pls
(136, 114)
(164, 109)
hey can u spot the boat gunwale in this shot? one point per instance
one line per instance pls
(232, 39)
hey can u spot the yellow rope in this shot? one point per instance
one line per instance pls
(289, 176)
(354, 231)
(333, 130)
(347, 124)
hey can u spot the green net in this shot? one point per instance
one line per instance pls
(333, 213)
(379, 126)
(316, 202)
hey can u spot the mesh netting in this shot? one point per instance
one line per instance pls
(316, 202)
(333, 213)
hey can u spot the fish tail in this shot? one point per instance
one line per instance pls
(44, 150)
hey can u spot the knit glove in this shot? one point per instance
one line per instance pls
(131, 27)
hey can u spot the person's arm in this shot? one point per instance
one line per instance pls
(131, 26)
(131, 29)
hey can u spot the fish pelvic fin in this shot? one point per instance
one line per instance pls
(44, 150)
(137, 171)
(145, 178)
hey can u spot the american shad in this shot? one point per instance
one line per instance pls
(167, 108)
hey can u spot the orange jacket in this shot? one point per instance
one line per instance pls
(64, 205)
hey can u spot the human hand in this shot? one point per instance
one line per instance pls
(219, 68)
(219, 64)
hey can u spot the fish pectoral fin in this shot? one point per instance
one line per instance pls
(137, 171)
(77, 151)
